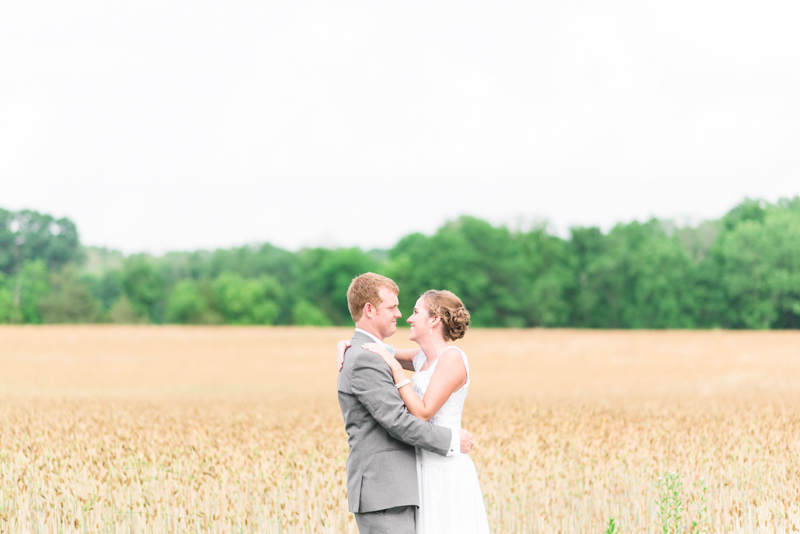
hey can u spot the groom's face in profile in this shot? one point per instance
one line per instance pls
(387, 313)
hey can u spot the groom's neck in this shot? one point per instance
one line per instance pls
(366, 327)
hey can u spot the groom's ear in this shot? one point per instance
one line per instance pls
(369, 310)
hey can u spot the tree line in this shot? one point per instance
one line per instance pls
(741, 271)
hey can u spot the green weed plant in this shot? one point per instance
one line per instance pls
(671, 510)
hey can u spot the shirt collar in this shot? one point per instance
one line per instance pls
(370, 335)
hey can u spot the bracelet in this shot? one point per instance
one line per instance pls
(403, 383)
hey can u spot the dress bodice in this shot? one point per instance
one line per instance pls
(449, 415)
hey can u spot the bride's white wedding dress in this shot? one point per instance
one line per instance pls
(450, 496)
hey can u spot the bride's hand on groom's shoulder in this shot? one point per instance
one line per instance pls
(341, 347)
(381, 351)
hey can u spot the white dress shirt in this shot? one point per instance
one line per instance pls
(455, 440)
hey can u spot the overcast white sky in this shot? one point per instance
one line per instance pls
(180, 125)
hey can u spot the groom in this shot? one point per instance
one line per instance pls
(382, 489)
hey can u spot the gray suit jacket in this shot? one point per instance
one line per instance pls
(381, 466)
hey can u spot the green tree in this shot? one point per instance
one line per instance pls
(69, 299)
(123, 312)
(248, 262)
(588, 295)
(712, 309)
(251, 262)
(483, 265)
(32, 283)
(27, 236)
(143, 286)
(639, 275)
(188, 303)
(761, 272)
(748, 210)
(326, 275)
(548, 279)
(505, 278)
(9, 311)
(246, 301)
(107, 289)
(659, 278)
(740, 271)
(306, 314)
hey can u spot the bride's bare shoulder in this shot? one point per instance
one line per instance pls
(452, 357)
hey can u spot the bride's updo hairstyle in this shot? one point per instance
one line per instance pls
(450, 309)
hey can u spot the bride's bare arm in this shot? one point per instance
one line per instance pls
(341, 347)
(404, 356)
(449, 375)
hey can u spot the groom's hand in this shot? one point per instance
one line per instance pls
(466, 441)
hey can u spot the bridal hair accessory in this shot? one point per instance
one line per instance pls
(403, 383)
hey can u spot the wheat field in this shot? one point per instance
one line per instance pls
(220, 429)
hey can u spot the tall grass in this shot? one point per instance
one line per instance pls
(104, 446)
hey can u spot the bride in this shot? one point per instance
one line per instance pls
(449, 492)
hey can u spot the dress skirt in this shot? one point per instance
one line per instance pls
(450, 495)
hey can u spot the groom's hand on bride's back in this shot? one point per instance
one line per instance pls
(466, 441)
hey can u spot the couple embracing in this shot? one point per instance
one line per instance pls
(407, 471)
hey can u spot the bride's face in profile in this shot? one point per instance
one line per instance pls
(421, 321)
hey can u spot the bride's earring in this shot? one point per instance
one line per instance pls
(430, 331)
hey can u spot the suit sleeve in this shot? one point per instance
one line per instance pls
(374, 387)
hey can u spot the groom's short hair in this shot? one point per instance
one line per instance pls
(366, 288)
